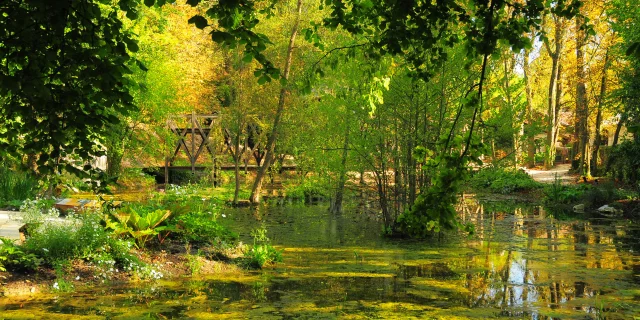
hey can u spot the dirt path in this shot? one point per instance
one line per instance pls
(549, 176)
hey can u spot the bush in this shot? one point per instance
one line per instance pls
(76, 237)
(624, 163)
(13, 258)
(202, 228)
(592, 196)
(503, 181)
(310, 189)
(56, 242)
(16, 186)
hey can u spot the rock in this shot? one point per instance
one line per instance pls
(578, 208)
(608, 210)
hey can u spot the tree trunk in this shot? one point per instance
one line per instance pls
(603, 91)
(552, 108)
(336, 203)
(531, 145)
(582, 108)
(616, 135)
(269, 157)
(236, 161)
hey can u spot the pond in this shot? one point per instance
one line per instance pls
(521, 263)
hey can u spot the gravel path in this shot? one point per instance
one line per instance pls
(549, 176)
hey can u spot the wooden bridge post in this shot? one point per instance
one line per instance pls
(193, 143)
(166, 172)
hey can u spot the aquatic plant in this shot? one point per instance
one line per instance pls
(261, 253)
(193, 261)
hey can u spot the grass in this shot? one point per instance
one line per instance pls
(16, 186)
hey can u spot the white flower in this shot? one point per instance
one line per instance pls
(224, 215)
(45, 249)
(77, 278)
(56, 286)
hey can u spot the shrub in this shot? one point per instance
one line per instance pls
(76, 237)
(13, 258)
(557, 193)
(503, 181)
(592, 196)
(202, 228)
(624, 163)
(16, 186)
(308, 190)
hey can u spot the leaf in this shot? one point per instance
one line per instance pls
(200, 22)
(634, 49)
(367, 4)
(131, 44)
(248, 57)
(141, 66)
(149, 3)
(262, 80)
(219, 36)
(132, 15)
(193, 3)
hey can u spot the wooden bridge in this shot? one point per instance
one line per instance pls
(194, 134)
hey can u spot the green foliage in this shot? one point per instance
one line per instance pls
(61, 284)
(592, 196)
(202, 228)
(34, 212)
(13, 258)
(261, 253)
(62, 80)
(597, 196)
(562, 194)
(138, 221)
(16, 186)
(307, 190)
(193, 261)
(624, 163)
(503, 181)
(78, 237)
(434, 208)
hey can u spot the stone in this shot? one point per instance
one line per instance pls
(578, 208)
(606, 209)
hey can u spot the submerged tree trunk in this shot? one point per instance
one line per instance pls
(597, 140)
(270, 147)
(336, 203)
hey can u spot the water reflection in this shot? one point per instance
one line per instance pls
(522, 263)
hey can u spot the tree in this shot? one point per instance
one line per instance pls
(555, 89)
(63, 68)
(271, 142)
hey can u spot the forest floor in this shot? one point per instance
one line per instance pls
(560, 171)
